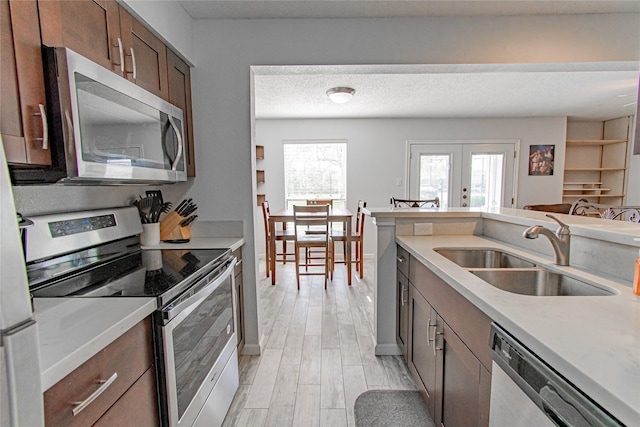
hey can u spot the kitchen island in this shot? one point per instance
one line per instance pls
(593, 341)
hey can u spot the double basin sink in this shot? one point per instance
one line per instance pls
(518, 275)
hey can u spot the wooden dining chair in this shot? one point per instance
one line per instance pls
(283, 235)
(317, 218)
(414, 203)
(356, 237)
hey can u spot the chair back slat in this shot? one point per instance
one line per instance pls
(311, 202)
(316, 216)
(585, 208)
(415, 203)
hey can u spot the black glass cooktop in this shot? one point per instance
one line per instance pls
(156, 273)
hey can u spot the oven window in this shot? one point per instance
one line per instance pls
(198, 341)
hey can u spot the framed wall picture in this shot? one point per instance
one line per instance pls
(541, 159)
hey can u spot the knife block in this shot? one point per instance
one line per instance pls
(170, 227)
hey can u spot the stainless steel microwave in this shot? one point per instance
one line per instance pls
(104, 129)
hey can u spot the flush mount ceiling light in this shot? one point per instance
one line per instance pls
(340, 95)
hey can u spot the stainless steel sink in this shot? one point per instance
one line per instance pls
(483, 258)
(540, 282)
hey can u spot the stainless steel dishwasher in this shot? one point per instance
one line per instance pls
(526, 392)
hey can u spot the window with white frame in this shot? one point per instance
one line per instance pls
(315, 170)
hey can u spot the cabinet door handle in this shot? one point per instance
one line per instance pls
(402, 291)
(133, 61)
(121, 52)
(400, 259)
(45, 127)
(104, 384)
(433, 337)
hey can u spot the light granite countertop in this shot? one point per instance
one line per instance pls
(72, 330)
(593, 341)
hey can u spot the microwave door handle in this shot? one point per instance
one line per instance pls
(180, 143)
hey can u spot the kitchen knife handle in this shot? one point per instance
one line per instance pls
(180, 142)
(104, 384)
(45, 127)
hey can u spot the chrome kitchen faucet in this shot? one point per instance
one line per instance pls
(560, 240)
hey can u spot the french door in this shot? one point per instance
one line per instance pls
(464, 174)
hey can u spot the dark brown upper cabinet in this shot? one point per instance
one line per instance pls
(22, 96)
(88, 27)
(145, 56)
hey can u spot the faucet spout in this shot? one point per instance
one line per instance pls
(560, 239)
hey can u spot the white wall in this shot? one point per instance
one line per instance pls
(225, 50)
(376, 153)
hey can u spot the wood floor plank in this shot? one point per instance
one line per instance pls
(248, 365)
(307, 410)
(330, 331)
(292, 352)
(300, 311)
(265, 379)
(349, 349)
(314, 320)
(280, 416)
(253, 417)
(311, 360)
(355, 384)
(284, 393)
(333, 417)
(398, 373)
(331, 382)
(374, 370)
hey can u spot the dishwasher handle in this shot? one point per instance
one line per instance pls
(561, 412)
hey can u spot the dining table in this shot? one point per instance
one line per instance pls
(286, 215)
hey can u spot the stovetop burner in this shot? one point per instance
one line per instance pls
(143, 273)
(98, 254)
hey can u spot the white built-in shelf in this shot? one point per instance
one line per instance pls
(577, 196)
(593, 169)
(585, 142)
(583, 183)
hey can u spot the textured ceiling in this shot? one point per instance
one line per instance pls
(580, 91)
(241, 9)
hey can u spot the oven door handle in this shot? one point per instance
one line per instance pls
(173, 309)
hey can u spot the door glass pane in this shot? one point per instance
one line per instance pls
(486, 180)
(434, 177)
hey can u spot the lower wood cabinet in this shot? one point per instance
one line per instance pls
(447, 350)
(124, 372)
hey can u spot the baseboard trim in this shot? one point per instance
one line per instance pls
(251, 350)
(388, 350)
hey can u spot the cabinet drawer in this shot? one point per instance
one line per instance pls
(137, 407)
(129, 356)
(402, 260)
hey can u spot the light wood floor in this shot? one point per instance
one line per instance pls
(318, 353)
